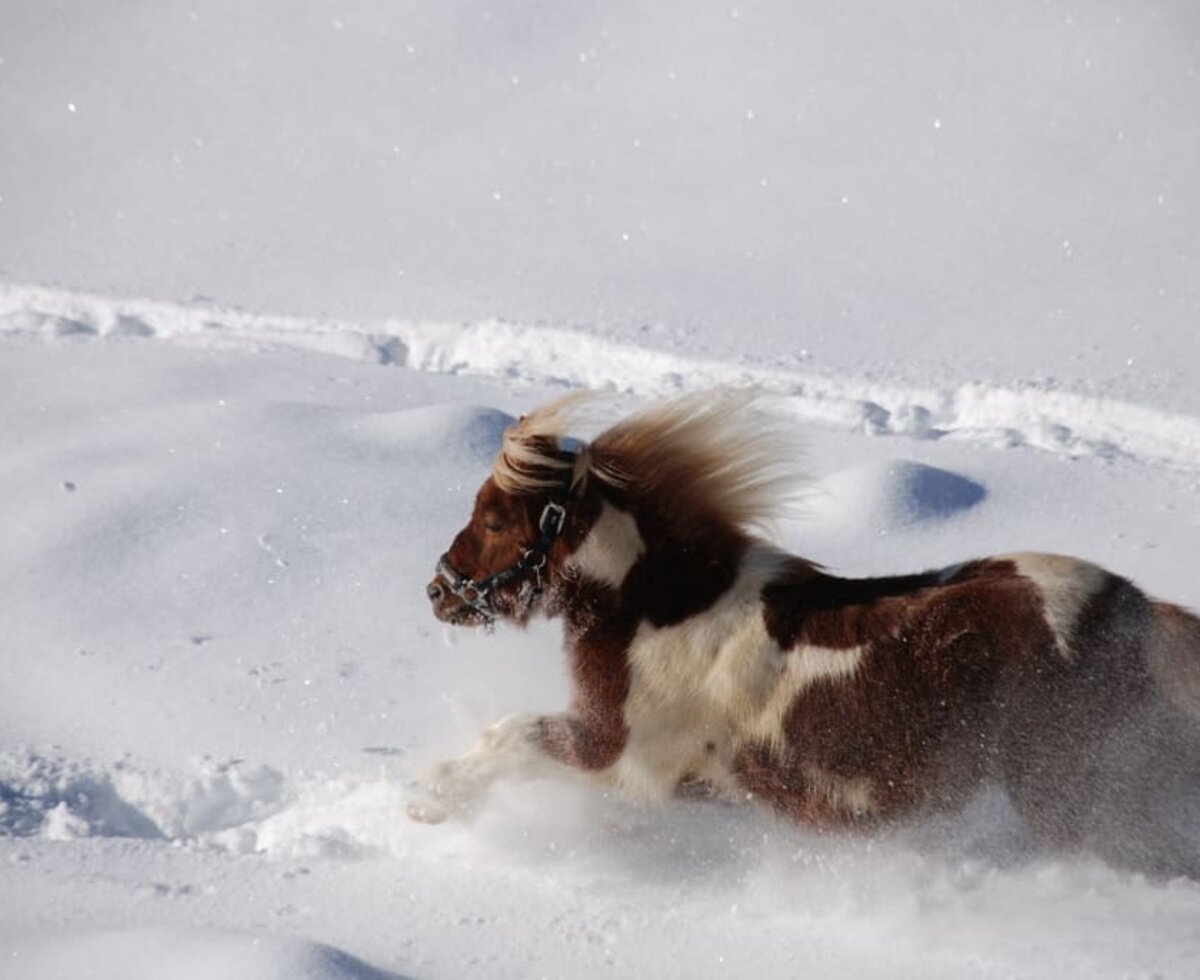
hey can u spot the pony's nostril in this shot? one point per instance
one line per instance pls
(434, 591)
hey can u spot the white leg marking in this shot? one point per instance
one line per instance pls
(611, 548)
(508, 749)
(1066, 584)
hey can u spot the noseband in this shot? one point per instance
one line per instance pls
(478, 595)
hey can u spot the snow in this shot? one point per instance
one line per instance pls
(194, 956)
(955, 243)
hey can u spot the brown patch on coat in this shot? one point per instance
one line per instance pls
(920, 718)
(593, 735)
(688, 563)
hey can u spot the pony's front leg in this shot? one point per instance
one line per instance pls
(513, 748)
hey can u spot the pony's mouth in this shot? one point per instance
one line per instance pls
(460, 614)
(466, 616)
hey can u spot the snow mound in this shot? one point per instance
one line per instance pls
(161, 954)
(892, 495)
(466, 433)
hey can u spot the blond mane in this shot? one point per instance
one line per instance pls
(714, 455)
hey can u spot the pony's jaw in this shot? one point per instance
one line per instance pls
(519, 606)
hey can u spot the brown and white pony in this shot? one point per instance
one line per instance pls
(705, 660)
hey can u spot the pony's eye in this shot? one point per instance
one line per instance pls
(493, 527)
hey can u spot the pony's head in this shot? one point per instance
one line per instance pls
(500, 564)
(683, 476)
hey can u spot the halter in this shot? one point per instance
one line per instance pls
(478, 595)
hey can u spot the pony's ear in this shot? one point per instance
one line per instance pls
(544, 446)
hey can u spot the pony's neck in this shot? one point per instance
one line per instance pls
(656, 565)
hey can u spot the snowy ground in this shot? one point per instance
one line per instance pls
(957, 241)
(221, 671)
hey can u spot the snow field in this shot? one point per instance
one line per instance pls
(222, 674)
(192, 955)
(956, 241)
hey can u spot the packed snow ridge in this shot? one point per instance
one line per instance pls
(1037, 414)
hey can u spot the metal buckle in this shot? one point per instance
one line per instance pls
(554, 516)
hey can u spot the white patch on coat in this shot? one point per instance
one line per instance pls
(1066, 585)
(703, 688)
(802, 667)
(611, 548)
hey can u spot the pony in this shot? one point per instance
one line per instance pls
(707, 662)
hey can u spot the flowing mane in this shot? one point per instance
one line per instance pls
(715, 456)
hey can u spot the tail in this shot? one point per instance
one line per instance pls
(1173, 655)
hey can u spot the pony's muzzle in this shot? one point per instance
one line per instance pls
(444, 604)
(448, 607)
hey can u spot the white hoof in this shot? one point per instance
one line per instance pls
(450, 791)
(426, 811)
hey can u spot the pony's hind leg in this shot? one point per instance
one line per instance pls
(1153, 754)
(1102, 793)
(1129, 826)
(1173, 655)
